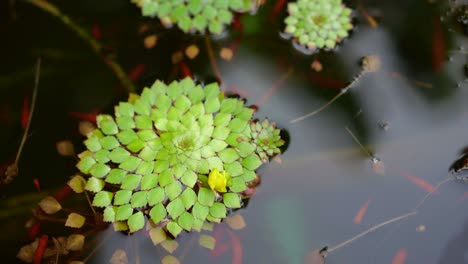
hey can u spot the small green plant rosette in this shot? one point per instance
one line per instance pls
(179, 154)
(195, 15)
(266, 137)
(318, 24)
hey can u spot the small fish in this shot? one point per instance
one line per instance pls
(421, 183)
(400, 256)
(362, 212)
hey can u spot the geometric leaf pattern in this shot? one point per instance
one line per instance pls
(178, 154)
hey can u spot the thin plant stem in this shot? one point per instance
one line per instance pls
(95, 249)
(336, 97)
(372, 229)
(90, 203)
(430, 193)
(211, 56)
(57, 248)
(31, 112)
(92, 42)
(275, 86)
(359, 143)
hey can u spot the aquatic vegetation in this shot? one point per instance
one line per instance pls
(178, 154)
(195, 15)
(318, 24)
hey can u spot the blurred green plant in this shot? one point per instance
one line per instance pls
(195, 15)
(180, 154)
(318, 24)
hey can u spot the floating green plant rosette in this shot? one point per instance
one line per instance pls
(194, 15)
(267, 138)
(318, 24)
(178, 154)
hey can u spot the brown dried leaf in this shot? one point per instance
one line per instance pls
(49, 252)
(75, 220)
(170, 245)
(75, 242)
(371, 63)
(226, 54)
(26, 253)
(50, 205)
(65, 148)
(10, 173)
(61, 243)
(177, 57)
(150, 41)
(207, 241)
(192, 51)
(86, 127)
(77, 183)
(316, 66)
(157, 235)
(236, 221)
(119, 257)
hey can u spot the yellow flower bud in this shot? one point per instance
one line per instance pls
(217, 181)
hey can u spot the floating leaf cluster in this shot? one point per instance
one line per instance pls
(178, 154)
(318, 24)
(194, 15)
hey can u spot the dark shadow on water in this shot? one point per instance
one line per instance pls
(456, 249)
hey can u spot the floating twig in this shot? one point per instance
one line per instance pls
(369, 64)
(433, 191)
(372, 229)
(275, 86)
(368, 153)
(12, 170)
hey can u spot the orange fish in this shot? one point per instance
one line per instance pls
(421, 183)
(400, 256)
(362, 211)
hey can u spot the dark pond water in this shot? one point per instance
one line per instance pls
(412, 115)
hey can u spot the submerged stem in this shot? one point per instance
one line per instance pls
(93, 43)
(359, 143)
(31, 111)
(211, 56)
